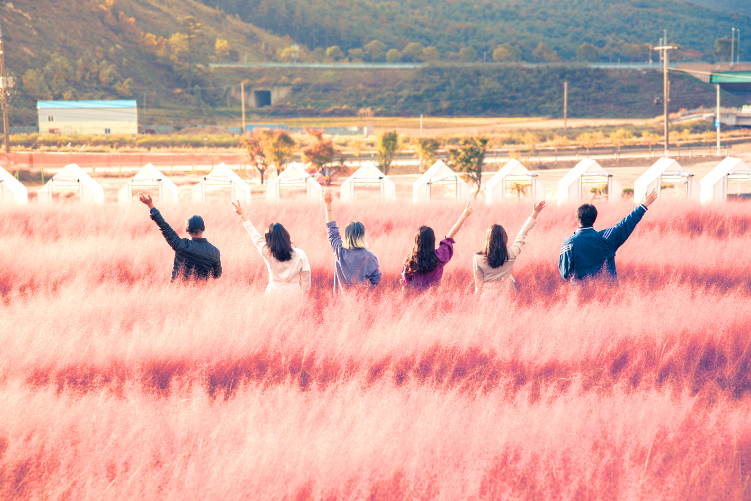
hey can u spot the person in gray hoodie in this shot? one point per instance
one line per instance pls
(355, 265)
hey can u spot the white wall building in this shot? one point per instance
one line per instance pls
(441, 175)
(11, 189)
(294, 176)
(577, 184)
(513, 175)
(72, 178)
(73, 118)
(665, 171)
(221, 178)
(148, 177)
(368, 175)
(714, 186)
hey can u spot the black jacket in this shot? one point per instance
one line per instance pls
(194, 259)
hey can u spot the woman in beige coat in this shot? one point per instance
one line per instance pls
(492, 267)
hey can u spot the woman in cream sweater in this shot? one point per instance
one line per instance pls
(289, 269)
(492, 267)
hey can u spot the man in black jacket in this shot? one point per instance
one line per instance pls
(195, 257)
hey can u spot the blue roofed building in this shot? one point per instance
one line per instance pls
(73, 118)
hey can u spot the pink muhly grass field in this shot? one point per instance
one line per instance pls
(114, 385)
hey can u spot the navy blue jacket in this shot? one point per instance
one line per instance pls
(587, 251)
(194, 258)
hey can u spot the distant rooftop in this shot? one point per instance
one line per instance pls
(61, 105)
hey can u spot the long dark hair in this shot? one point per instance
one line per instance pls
(280, 245)
(496, 251)
(423, 258)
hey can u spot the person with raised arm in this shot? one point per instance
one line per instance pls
(195, 257)
(355, 266)
(423, 269)
(591, 254)
(289, 269)
(492, 266)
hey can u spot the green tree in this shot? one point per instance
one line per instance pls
(414, 51)
(469, 158)
(356, 55)
(426, 149)
(335, 53)
(722, 49)
(431, 55)
(375, 49)
(545, 53)
(388, 145)
(507, 53)
(193, 30)
(467, 55)
(588, 53)
(393, 56)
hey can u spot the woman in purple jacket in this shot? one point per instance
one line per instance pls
(423, 269)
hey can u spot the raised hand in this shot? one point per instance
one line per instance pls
(539, 206)
(145, 198)
(238, 210)
(650, 198)
(467, 211)
(328, 197)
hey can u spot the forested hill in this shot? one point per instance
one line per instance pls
(617, 28)
(737, 6)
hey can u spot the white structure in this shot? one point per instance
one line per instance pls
(72, 178)
(513, 173)
(294, 176)
(573, 186)
(11, 189)
(664, 170)
(148, 177)
(714, 186)
(368, 175)
(74, 118)
(221, 178)
(439, 174)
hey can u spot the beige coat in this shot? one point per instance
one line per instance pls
(284, 276)
(487, 278)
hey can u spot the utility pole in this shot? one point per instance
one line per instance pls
(738, 48)
(717, 120)
(565, 106)
(5, 85)
(666, 92)
(242, 98)
(732, 47)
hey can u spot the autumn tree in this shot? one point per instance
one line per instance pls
(393, 56)
(588, 53)
(414, 51)
(253, 144)
(321, 151)
(335, 53)
(192, 29)
(469, 158)
(426, 149)
(388, 145)
(268, 147)
(376, 49)
(545, 53)
(221, 48)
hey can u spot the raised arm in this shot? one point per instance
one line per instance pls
(460, 222)
(327, 199)
(618, 234)
(257, 238)
(170, 235)
(516, 247)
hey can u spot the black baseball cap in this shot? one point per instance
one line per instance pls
(194, 224)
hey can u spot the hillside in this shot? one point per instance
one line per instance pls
(123, 49)
(736, 6)
(618, 29)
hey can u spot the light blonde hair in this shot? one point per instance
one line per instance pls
(354, 236)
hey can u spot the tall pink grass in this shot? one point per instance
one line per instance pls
(114, 385)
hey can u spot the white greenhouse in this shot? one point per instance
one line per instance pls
(716, 185)
(148, 177)
(222, 178)
(666, 173)
(368, 176)
(11, 189)
(72, 179)
(294, 177)
(513, 181)
(585, 182)
(437, 180)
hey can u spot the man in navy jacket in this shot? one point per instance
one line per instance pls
(588, 252)
(195, 257)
